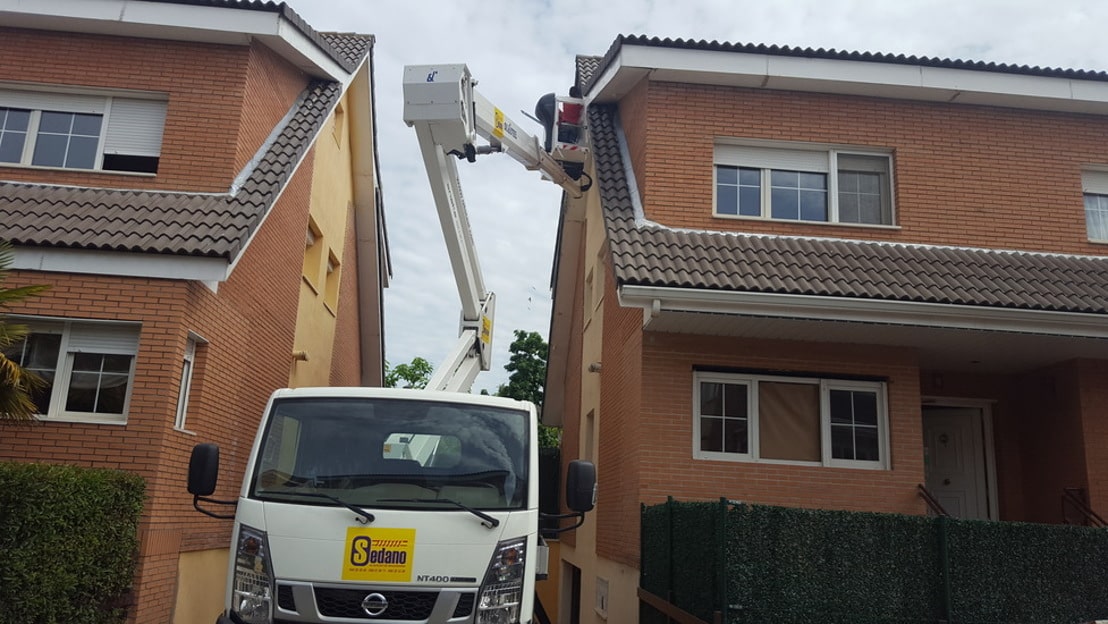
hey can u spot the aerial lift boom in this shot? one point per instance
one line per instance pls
(449, 116)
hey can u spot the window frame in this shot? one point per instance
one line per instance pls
(63, 367)
(825, 385)
(102, 104)
(184, 389)
(802, 158)
(1093, 183)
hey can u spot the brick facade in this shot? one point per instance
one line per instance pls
(224, 102)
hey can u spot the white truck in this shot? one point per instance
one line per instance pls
(403, 506)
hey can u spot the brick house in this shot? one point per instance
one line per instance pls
(824, 279)
(197, 183)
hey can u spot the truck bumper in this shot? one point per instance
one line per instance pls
(224, 619)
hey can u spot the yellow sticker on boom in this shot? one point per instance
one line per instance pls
(497, 123)
(378, 555)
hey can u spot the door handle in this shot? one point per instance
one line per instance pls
(946, 481)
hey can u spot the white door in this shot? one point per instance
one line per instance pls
(954, 460)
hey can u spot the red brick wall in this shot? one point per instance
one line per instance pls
(1010, 179)
(272, 86)
(205, 85)
(1093, 381)
(621, 439)
(662, 421)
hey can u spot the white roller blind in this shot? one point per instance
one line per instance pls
(41, 100)
(135, 127)
(96, 338)
(1095, 182)
(772, 158)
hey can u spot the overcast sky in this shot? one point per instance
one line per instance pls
(520, 49)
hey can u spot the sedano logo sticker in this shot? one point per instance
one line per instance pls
(378, 554)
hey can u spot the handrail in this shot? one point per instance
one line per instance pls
(932, 502)
(1076, 497)
(672, 611)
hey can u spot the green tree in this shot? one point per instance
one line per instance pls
(527, 365)
(16, 383)
(414, 374)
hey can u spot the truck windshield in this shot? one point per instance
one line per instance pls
(373, 452)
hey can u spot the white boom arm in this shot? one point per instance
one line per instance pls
(448, 116)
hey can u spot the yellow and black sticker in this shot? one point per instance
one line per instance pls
(378, 554)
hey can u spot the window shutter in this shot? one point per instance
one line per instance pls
(1095, 182)
(135, 127)
(44, 100)
(772, 158)
(95, 338)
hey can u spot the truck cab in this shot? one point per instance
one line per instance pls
(394, 505)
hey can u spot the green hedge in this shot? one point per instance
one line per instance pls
(761, 564)
(68, 540)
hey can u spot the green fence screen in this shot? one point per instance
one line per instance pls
(760, 564)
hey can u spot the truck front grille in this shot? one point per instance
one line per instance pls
(347, 603)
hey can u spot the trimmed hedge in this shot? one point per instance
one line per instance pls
(68, 541)
(756, 564)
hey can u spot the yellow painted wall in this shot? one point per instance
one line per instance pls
(331, 201)
(548, 589)
(201, 585)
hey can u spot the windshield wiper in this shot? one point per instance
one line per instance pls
(365, 516)
(486, 519)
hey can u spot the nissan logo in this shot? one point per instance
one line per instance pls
(375, 604)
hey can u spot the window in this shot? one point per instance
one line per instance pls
(803, 184)
(186, 383)
(331, 285)
(88, 368)
(827, 422)
(313, 254)
(78, 131)
(1095, 187)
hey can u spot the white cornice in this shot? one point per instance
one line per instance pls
(850, 77)
(121, 264)
(179, 22)
(655, 300)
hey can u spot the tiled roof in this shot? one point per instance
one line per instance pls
(164, 222)
(341, 56)
(832, 54)
(647, 254)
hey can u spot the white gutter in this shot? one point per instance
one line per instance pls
(655, 300)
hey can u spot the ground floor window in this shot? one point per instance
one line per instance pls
(88, 367)
(800, 420)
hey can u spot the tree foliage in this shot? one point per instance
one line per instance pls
(414, 374)
(527, 365)
(16, 383)
(527, 382)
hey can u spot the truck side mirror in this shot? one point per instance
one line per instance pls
(581, 486)
(203, 469)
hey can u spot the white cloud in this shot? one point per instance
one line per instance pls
(521, 49)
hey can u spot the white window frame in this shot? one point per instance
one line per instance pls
(188, 365)
(802, 157)
(826, 385)
(124, 345)
(143, 129)
(1094, 182)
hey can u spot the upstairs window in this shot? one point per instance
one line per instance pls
(77, 131)
(1095, 187)
(88, 368)
(828, 422)
(803, 183)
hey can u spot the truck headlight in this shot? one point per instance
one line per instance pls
(502, 590)
(253, 584)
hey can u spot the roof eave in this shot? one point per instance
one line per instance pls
(208, 269)
(655, 300)
(631, 63)
(178, 22)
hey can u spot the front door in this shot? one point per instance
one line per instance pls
(954, 460)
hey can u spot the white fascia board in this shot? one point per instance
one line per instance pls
(851, 77)
(655, 300)
(181, 22)
(120, 264)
